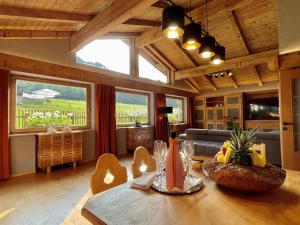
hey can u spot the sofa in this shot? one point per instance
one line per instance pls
(208, 142)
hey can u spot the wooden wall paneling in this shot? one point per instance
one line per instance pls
(16, 63)
(117, 13)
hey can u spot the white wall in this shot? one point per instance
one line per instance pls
(289, 29)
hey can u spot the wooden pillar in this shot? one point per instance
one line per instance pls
(134, 59)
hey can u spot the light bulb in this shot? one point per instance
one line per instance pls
(206, 54)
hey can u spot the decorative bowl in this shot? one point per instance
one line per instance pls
(244, 178)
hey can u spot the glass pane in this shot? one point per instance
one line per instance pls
(41, 104)
(199, 115)
(233, 113)
(296, 112)
(149, 71)
(219, 114)
(131, 108)
(200, 125)
(210, 126)
(210, 114)
(199, 102)
(111, 54)
(220, 126)
(177, 104)
(233, 100)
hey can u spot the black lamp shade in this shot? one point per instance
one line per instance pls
(219, 56)
(165, 110)
(191, 38)
(207, 48)
(173, 22)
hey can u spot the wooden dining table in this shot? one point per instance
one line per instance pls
(213, 205)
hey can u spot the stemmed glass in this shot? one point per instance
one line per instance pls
(188, 150)
(160, 152)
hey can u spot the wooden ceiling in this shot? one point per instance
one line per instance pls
(244, 27)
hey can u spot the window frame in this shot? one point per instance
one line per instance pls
(12, 123)
(182, 99)
(135, 93)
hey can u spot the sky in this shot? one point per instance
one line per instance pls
(114, 54)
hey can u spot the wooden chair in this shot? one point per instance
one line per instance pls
(142, 162)
(108, 174)
(260, 148)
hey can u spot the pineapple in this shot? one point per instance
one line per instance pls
(240, 144)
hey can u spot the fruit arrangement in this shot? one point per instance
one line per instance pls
(239, 150)
(238, 166)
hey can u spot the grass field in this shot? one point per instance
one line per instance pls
(123, 111)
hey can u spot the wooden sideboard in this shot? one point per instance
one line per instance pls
(139, 136)
(58, 148)
(262, 125)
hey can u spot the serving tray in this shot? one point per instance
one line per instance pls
(159, 184)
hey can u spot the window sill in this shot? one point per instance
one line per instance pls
(35, 133)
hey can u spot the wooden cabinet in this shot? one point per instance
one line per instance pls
(200, 105)
(139, 136)
(213, 112)
(234, 109)
(262, 125)
(58, 148)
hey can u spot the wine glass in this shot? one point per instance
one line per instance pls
(188, 149)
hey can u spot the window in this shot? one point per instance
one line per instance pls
(147, 70)
(178, 105)
(131, 106)
(111, 54)
(38, 104)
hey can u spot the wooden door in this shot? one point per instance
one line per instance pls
(289, 102)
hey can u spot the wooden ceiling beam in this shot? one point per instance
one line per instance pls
(230, 64)
(112, 16)
(241, 37)
(34, 34)
(160, 4)
(86, 74)
(194, 63)
(147, 23)
(195, 88)
(118, 35)
(42, 14)
(233, 81)
(161, 57)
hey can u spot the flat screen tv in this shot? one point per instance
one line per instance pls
(262, 109)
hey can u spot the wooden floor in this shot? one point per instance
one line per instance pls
(48, 199)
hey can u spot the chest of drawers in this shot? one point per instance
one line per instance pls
(58, 148)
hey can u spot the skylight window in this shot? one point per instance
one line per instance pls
(111, 54)
(147, 70)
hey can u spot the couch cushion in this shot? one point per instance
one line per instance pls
(196, 134)
(206, 148)
(225, 133)
(268, 135)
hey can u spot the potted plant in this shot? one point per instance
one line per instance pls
(136, 118)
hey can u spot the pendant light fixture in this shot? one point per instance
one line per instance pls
(208, 45)
(191, 38)
(219, 56)
(173, 22)
(208, 42)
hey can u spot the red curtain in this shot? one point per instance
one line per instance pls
(191, 112)
(161, 121)
(4, 135)
(105, 120)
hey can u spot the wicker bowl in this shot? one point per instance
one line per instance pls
(244, 178)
